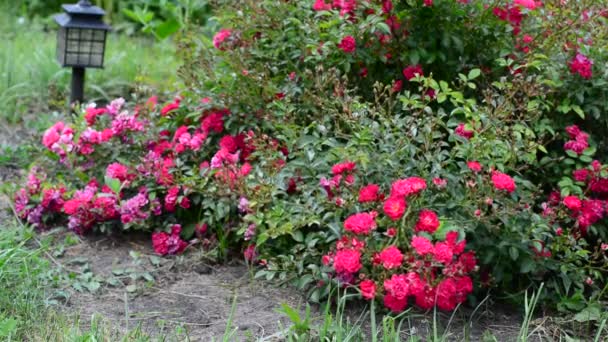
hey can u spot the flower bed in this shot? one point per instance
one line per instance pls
(366, 144)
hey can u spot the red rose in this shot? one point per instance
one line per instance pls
(580, 175)
(220, 37)
(474, 166)
(446, 294)
(368, 289)
(369, 193)
(229, 143)
(398, 286)
(581, 65)
(422, 245)
(440, 182)
(326, 259)
(391, 257)
(464, 286)
(573, 203)
(159, 242)
(361, 223)
(347, 261)
(412, 71)
(407, 187)
(169, 108)
(427, 221)
(394, 208)
(71, 207)
(463, 132)
(343, 167)
(443, 253)
(425, 298)
(185, 203)
(348, 44)
(171, 198)
(394, 304)
(320, 5)
(467, 261)
(349, 180)
(503, 181)
(397, 86)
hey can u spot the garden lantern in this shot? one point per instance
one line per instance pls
(81, 42)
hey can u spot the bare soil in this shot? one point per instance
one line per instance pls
(190, 292)
(186, 292)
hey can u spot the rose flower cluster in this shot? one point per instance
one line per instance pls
(140, 188)
(584, 210)
(406, 261)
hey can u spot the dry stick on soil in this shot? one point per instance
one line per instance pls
(48, 255)
(181, 294)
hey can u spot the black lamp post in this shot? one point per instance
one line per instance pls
(81, 42)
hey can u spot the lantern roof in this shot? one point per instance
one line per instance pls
(82, 15)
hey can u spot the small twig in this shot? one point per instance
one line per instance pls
(180, 294)
(191, 323)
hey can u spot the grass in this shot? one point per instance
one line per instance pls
(29, 283)
(31, 81)
(337, 326)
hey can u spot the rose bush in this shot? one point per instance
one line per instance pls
(361, 143)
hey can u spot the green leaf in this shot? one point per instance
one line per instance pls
(590, 151)
(167, 28)
(414, 57)
(314, 296)
(93, 286)
(8, 326)
(590, 313)
(188, 230)
(260, 274)
(131, 288)
(514, 253)
(297, 236)
(577, 109)
(304, 281)
(473, 74)
(113, 184)
(130, 14)
(262, 238)
(154, 260)
(527, 265)
(291, 313)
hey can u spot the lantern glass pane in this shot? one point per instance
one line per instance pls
(71, 59)
(61, 43)
(99, 35)
(96, 60)
(85, 46)
(73, 46)
(97, 48)
(86, 34)
(73, 34)
(83, 59)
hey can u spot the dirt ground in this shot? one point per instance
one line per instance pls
(199, 296)
(185, 292)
